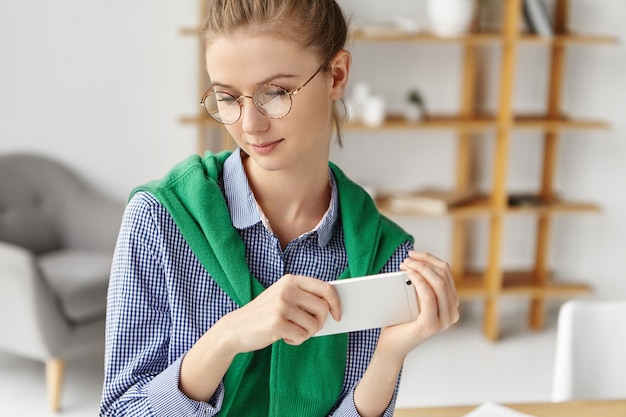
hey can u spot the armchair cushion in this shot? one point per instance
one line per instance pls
(45, 206)
(79, 279)
(27, 215)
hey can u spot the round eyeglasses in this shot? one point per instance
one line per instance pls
(271, 100)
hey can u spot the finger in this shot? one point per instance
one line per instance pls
(299, 327)
(442, 285)
(446, 293)
(440, 266)
(426, 297)
(323, 290)
(427, 268)
(428, 258)
(292, 323)
(305, 302)
(315, 307)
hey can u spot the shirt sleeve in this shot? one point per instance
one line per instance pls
(347, 407)
(139, 378)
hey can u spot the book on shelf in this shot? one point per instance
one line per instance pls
(392, 27)
(428, 200)
(537, 17)
(528, 200)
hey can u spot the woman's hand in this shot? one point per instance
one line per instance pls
(437, 300)
(292, 309)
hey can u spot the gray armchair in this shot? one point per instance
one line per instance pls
(57, 236)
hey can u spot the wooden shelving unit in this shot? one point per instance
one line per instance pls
(494, 283)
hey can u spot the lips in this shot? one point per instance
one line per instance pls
(265, 148)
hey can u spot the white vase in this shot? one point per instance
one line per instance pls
(413, 112)
(373, 112)
(451, 17)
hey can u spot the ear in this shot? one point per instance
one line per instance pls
(340, 69)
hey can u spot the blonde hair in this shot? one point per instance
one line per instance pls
(318, 25)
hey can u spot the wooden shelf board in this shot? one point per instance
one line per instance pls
(556, 207)
(518, 283)
(569, 38)
(482, 206)
(394, 122)
(190, 31)
(199, 119)
(425, 37)
(481, 123)
(469, 287)
(479, 206)
(483, 38)
(527, 122)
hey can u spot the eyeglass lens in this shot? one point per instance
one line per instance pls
(270, 100)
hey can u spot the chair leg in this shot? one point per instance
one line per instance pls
(55, 369)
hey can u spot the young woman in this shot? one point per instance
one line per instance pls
(221, 272)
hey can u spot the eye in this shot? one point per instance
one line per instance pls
(224, 98)
(275, 91)
(267, 93)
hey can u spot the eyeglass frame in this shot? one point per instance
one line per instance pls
(290, 93)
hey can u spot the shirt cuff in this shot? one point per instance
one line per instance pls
(166, 398)
(347, 408)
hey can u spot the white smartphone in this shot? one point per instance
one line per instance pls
(373, 301)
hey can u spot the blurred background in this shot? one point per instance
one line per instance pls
(101, 86)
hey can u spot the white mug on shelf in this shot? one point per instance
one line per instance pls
(361, 92)
(373, 111)
(451, 17)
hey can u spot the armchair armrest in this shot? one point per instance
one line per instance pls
(31, 323)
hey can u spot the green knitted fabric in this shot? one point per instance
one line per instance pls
(280, 380)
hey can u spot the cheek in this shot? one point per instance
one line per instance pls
(234, 131)
(317, 108)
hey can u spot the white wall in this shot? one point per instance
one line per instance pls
(101, 84)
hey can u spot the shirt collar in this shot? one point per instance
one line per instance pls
(244, 211)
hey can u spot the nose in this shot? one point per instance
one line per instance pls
(252, 120)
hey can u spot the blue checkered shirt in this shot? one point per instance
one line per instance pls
(158, 301)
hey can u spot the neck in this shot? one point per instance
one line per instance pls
(294, 203)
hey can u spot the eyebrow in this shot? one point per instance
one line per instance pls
(265, 81)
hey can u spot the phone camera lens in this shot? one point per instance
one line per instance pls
(408, 282)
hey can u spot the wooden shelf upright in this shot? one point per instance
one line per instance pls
(208, 131)
(494, 274)
(557, 71)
